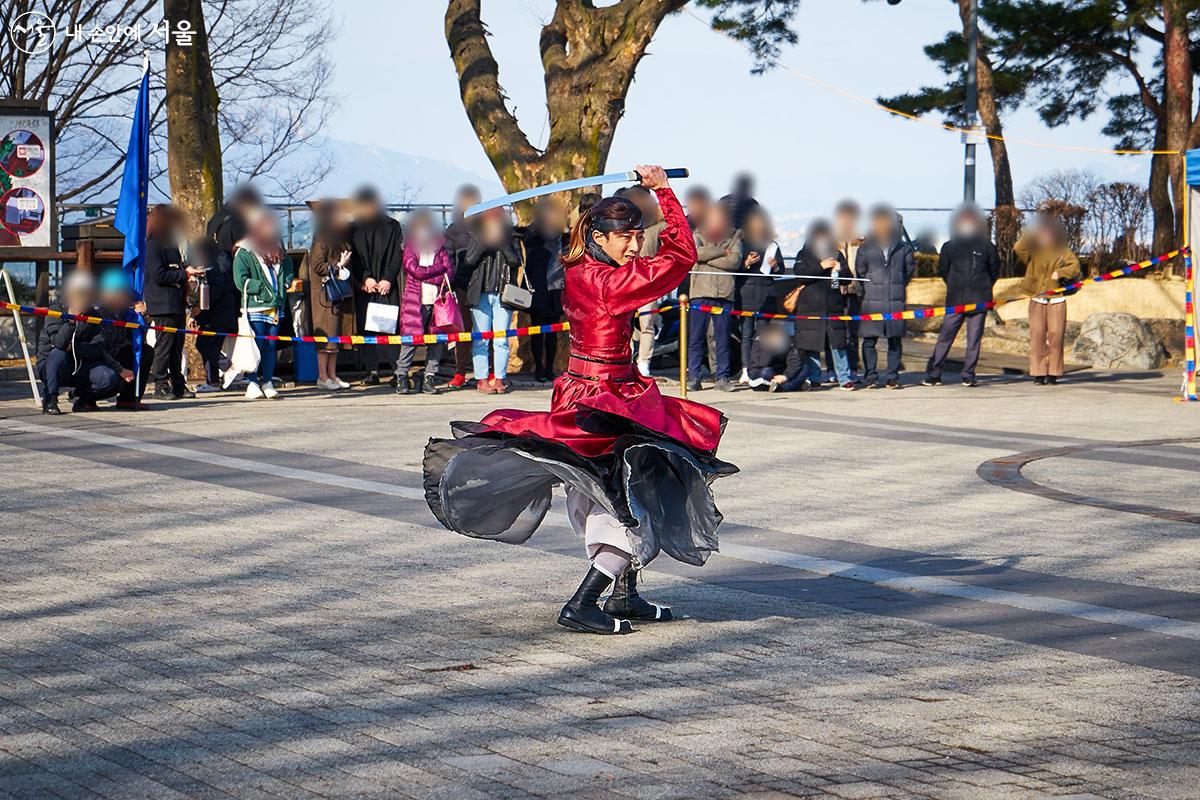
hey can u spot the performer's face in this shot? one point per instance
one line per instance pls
(620, 246)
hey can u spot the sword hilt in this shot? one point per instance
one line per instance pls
(674, 172)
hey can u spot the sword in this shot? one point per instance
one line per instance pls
(779, 277)
(566, 186)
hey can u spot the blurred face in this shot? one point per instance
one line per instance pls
(551, 218)
(883, 227)
(846, 223)
(716, 224)
(697, 207)
(1044, 236)
(968, 225)
(492, 229)
(80, 297)
(620, 246)
(115, 301)
(264, 229)
(756, 228)
(821, 245)
(465, 200)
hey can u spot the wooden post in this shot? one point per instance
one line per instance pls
(85, 252)
(683, 336)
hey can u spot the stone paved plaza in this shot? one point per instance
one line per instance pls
(940, 593)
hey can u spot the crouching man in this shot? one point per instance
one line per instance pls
(74, 354)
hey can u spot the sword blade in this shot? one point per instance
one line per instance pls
(551, 188)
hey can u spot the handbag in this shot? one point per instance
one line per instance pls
(514, 295)
(245, 356)
(791, 299)
(382, 318)
(336, 290)
(447, 317)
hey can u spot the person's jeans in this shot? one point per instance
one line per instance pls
(433, 352)
(746, 329)
(266, 351)
(91, 381)
(841, 364)
(209, 348)
(490, 315)
(895, 347)
(700, 322)
(806, 368)
(949, 332)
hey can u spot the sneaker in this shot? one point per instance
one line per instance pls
(207, 388)
(329, 385)
(694, 385)
(163, 394)
(499, 386)
(429, 385)
(1039, 380)
(254, 391)
(372, 379)
(269, 391)
(1051, 380)
(183, 394)
(928, 381)
(404, 385)
(848, 386)
(457, 382)
(893, 384)
(875, 385)
(484, 387)
(970, 382)
(725, 385)
(775, 386)
(50, 406)
(81, 406)
(806, 386)
(341, 383)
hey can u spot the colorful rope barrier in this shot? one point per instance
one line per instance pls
(427, 338)
(941, 311)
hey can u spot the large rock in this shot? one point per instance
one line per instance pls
(10, 343)
(1115, 340)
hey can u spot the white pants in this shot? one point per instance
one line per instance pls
(596, 525)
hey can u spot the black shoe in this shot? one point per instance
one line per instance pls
(394, 381)
(163, 394)
(893, 384)
(81, 406)
(183, 393)
(725, 385)
(404, 385)
(372, 379)
(429, 386)
(694, 385)
(970, 383)
(50, 406)
(874, 385)
(582, 612)
(1051, 380)
(932, 381)
(1039, 380)
(626, 603)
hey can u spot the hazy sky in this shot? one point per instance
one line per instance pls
(694, 103)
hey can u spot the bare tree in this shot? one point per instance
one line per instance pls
(269, 69)
(1116, 222)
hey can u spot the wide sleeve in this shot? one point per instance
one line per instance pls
(395, 264)
(439, 267)
(944, 258)
(644, 280)
(1070, 269)
(245, 274)
(319, 263)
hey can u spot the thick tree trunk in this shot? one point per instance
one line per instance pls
(589, 56)
(1177, 93)
(194, 140)
(1161, 207)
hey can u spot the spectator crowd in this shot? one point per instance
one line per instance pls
(367, 274)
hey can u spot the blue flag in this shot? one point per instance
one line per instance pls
(130, 218)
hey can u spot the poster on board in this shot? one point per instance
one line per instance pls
(26, 179)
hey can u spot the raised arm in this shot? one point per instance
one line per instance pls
(644, 280)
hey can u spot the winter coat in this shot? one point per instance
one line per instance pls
(328, 319)
(969, 266)
(715, 257)
(166, 279)
(224, 297)
(544, 269)
(849, 248)
(485, 269)
(377, 251)
(819, 298)
(1041, 264)
(887, 291)
(455, 240)
(251, 277)
(755, 291)
(437, 272)
(86, 342)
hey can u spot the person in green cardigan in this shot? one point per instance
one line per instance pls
(264, 275)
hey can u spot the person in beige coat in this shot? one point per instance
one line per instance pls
(1049, 264)
(718, 257)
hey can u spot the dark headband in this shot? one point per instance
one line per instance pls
(632, 222)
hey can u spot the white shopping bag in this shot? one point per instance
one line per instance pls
(382, 318)
(245, 355)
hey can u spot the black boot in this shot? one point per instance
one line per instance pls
(403, 385)
(626, 603)
(582, 612)
(429, 385)
(50, 405)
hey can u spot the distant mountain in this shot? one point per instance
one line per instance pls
(400, 177)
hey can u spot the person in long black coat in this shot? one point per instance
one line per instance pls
(969, 264)
(165, 295)
(817, 262)
(377, 267)
(456, 239)
(888, 263)
(221, 316)
(544, 241)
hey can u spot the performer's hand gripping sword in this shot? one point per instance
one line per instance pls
(632, 176)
